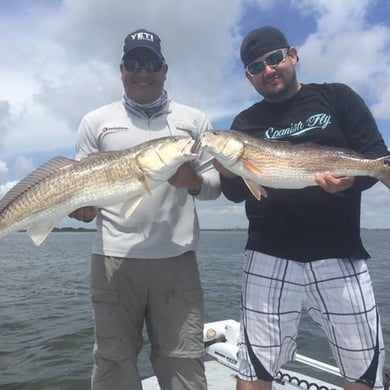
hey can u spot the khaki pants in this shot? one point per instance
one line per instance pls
(166, 295)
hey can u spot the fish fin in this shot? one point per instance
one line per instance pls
(38, 232)
(251, 167)
(385, 176)
(191, 129)
(256, 190)
(128, 208)
(142, 179)
(193, 132)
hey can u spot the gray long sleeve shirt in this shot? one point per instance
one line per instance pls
(165, 223)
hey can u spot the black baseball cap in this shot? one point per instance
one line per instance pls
(143, 38)
(260, 41)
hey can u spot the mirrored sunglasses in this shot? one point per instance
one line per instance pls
(150, 64)
(272, 60)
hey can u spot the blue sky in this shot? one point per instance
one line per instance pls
(60, 60)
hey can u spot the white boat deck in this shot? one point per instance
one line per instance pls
(221, 371)
(221, 377)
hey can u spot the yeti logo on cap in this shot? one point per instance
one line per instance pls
(143, 36)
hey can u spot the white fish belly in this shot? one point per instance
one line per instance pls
(275, 178)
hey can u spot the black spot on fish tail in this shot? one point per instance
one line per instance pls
(385, 174)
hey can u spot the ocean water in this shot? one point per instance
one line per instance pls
(46, 328)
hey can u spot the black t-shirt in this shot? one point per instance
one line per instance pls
(309, 224)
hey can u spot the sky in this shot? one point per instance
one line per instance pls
(60, 59)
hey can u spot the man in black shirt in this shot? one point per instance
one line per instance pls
(304, 248)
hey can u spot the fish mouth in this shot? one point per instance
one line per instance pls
(207, 143)
(186, 149)
(189, 148)
(203, 137)
(204, 141)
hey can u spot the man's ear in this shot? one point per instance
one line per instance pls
(248, 76)
(293, 54)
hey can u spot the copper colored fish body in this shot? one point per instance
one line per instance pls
(279, 164)
(62, 185)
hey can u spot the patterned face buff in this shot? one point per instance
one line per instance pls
(147, 108)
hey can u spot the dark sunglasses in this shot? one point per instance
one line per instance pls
(149, 64)
(272, 60)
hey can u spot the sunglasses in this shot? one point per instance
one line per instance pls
(149, 64)
(272, 60)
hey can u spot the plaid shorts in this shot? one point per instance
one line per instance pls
(338, 295)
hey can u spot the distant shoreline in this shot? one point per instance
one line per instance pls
(237, 229)
(87, 230)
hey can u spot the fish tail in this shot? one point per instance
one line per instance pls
(384, 177)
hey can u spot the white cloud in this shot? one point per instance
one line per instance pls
(346, 48)
(37, 130)
(376, 207)
(23, 166)
(4, 119)
(4, 188)
(74, 50)
(3, 171)
(68, 61)
(77, 90)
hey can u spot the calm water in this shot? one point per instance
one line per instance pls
(46, 329)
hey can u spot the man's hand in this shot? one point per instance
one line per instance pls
(85, 214)
(333, 184)
(186, 177)
(222, 170)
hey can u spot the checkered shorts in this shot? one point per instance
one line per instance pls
(338, 295)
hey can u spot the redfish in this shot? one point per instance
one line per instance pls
(280, 164)
(63, 185)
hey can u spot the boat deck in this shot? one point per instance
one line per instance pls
(221, 339)
(221, 377)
